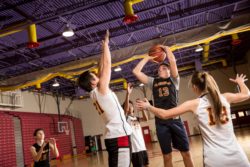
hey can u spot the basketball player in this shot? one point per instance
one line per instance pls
(139, 151)
(165, 94)
(212, 109)
(40, 151)
(117, 130)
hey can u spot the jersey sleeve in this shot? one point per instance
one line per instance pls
(176, 82)
(150, 82)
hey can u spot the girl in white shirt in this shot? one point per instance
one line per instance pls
(139, 151)
(212, 110)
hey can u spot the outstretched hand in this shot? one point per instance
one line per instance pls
(142, 104)
(239, 79)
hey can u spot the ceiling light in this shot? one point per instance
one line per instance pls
(224, 25)
(141, 85)
(68, 32)
(56, 83)
(198, 48)
(117, 69)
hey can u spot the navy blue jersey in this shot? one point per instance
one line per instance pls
(44, 160)
(165, 93)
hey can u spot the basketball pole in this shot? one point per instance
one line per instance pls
(39, 103)
(58, 105)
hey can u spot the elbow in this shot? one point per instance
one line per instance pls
(163, 116)
(135, 72)
(245, 97)
(248, 94)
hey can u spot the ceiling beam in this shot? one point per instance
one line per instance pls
(62, 46)
(94, 25)
(18, 3)
(69, 10)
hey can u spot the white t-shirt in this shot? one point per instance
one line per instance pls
(219, 141)
(112, 113)
(137, 140)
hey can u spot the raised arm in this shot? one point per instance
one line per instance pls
(188, 106)
(126, 103)
(172, 62)
(105, 64)
(137, 71)
(52, 144)
(244, 91)
(100, 64)
(37, 155)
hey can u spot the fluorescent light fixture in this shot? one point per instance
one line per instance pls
(56, 83)
(68, 32)
(224, 25)
(198, 48)
(117, 69)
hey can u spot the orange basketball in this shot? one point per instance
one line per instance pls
(158, 52)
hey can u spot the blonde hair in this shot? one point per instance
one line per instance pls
(205, 82)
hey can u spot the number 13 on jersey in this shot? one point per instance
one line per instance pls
(163, 91)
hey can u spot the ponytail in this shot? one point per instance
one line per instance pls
(205, 83)
(214, 92)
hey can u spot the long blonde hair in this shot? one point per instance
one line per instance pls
(206, 83)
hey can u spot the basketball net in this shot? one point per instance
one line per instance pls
(65, 130)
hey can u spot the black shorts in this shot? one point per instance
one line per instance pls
(140, 159)
(119, 151)
(172, 132)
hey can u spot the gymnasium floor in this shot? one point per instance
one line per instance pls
(155, 158)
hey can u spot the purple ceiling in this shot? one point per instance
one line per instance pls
(89, 20)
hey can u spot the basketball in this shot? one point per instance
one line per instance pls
(158, 52)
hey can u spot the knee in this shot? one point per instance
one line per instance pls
(186, 155)
(168, 157)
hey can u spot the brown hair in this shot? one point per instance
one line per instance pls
(84, 81)
(205, 82)
(37, 130)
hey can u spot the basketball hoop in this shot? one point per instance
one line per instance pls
(63, 127)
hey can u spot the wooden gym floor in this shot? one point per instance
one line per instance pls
(155, 156)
